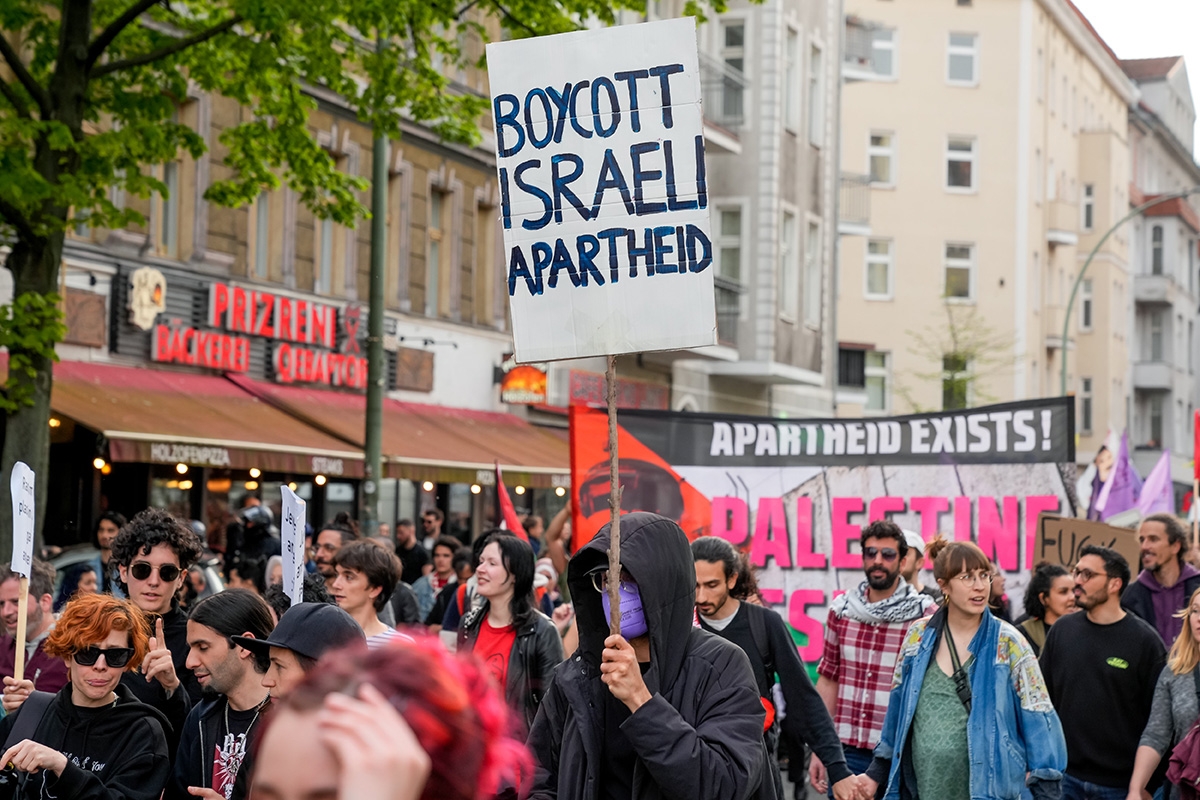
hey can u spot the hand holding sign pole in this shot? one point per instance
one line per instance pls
(21, 486)
(291, 530)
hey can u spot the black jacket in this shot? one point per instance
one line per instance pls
(176, 707)
(700, 737)
(121, 752)
(194, 759)
(536, 651)
(1138, 599)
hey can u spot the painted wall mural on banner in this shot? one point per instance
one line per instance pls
(796, 493)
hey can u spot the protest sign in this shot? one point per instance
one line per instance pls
(604, 204)
(795, 494)
(292, 526)
(1059, 540)
(23, 502)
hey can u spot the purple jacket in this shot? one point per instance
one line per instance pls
(48, 674)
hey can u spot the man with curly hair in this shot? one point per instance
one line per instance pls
(153, 553)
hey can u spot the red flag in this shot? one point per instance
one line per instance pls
(507, 512)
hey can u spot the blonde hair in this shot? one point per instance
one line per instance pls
(1185, 653)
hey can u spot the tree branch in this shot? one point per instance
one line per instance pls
(15, 100)
(101, 42)
(513, 19)
(16, 219)
(18, 67)
(169, 50)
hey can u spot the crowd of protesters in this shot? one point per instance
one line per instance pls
(418, 667)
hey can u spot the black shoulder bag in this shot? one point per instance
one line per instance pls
(962, 681)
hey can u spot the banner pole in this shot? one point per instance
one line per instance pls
(614, 502)
(22, 617)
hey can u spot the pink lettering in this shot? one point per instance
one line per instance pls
(998, 536)
(770, 534)
(845, 532)
(806, 557)
(731, 520)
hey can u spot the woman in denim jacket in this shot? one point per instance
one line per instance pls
(974, 723)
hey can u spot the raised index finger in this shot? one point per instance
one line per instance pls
(158, 629)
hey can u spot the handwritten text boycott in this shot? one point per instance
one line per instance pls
(602, 185)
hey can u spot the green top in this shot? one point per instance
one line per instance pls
(939, 739)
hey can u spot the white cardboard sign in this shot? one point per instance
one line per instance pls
(291, 534)
(21, 486)
(604, 201)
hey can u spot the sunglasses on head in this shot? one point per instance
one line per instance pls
(887, 553)
(115, 657)
(141, 570)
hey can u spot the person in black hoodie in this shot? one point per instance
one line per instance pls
(94, 740)
(673, 712)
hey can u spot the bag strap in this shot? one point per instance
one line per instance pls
(28, 717)
(962, 682)
(758, 629)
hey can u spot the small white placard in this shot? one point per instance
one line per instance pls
(23, 504)
(291, 534)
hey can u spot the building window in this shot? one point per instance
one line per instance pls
(1051, 182)
(323, 269)
(1156, 250)
(881, 158)
(1191, 262)
(879, 269)
(165, 212)
(1085, 305)
(877, 381)
(789, 269)
(733, 53)
(729, 244)
(962, 59)
(960, 162)
(1156, 336)
(956, 381)
(1085, 405)
(439, 248)
(791, 82)
(1041, 74)
(485, 264)
(852, 363)
(262, 235)
(812, 276)
(959, 269)
(816, 98)
(1156, 421)
(1089, 206)
(883, 52)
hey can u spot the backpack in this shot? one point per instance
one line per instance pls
(758, 631)
(26, 724)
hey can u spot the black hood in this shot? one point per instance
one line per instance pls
(655, 552)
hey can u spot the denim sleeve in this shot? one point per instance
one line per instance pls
(1041, 731)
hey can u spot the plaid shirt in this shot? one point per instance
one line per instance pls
(861, 658)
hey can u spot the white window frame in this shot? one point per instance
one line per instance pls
(882, 373)
(722, 241)
(958, 155)
(1087, 207)
(888, 261)
(890, 44)
(1158, 253)
(961, 50)
(880, 151)
(793, 85)
(788, 301)
(1087, 418)
(816, 93)
(814, 248)
(956, 263)
(1087, 306)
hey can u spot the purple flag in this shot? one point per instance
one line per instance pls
(1121, 490)
(1158, 494)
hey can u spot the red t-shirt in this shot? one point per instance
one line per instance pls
(494, 646)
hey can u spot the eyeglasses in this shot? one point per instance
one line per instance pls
(142, 569)
(1084, 574)
(973, 578)
(887, 553)
(600, 582)
(115, 657)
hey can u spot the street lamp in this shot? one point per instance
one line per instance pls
(1079, 278)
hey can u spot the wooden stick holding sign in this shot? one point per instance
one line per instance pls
(21, 486)
(614, 503)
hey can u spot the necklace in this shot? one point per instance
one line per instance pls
(257, 710)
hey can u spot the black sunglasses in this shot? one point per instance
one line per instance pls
(888, 553)
(115, 657)
(141, 570)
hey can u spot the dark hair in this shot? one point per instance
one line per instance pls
(436, 513)
(955, 558)
(314, 592)
(885, 529)
(517, 557)
(375, 562)
(405, 523)
(253, 570)
(234, 612)
(41, 577)
(1040, 582)
(115, 517)
(150, 528)
(1115, 565)
(483, 541)
(1175, 532)
(447, 541)
(531, 521)
(343, 524)
(463, 557)
(719, 551)
(70, 584)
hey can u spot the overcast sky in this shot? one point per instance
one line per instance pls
(1150, 28)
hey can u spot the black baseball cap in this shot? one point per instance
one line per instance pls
(307, 629)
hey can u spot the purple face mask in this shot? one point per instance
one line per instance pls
(633, 618)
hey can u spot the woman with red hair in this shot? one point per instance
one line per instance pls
(406, 722)
(94, 740)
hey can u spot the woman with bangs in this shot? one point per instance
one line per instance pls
(1175, 706)
(93, 740)
(967, 689)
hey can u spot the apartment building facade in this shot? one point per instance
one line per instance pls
(995, 137)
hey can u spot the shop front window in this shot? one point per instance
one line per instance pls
(172, 491)
(339, 497)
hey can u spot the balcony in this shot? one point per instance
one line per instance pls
(1155, 290)
(724, 97)
(854, 205)
(1062, 223)
(1155, 375)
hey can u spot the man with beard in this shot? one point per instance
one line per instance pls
(212, 745)
(1105, 660)
(330, 538)
(1166, 581)
(42, 672)
(863, 635)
